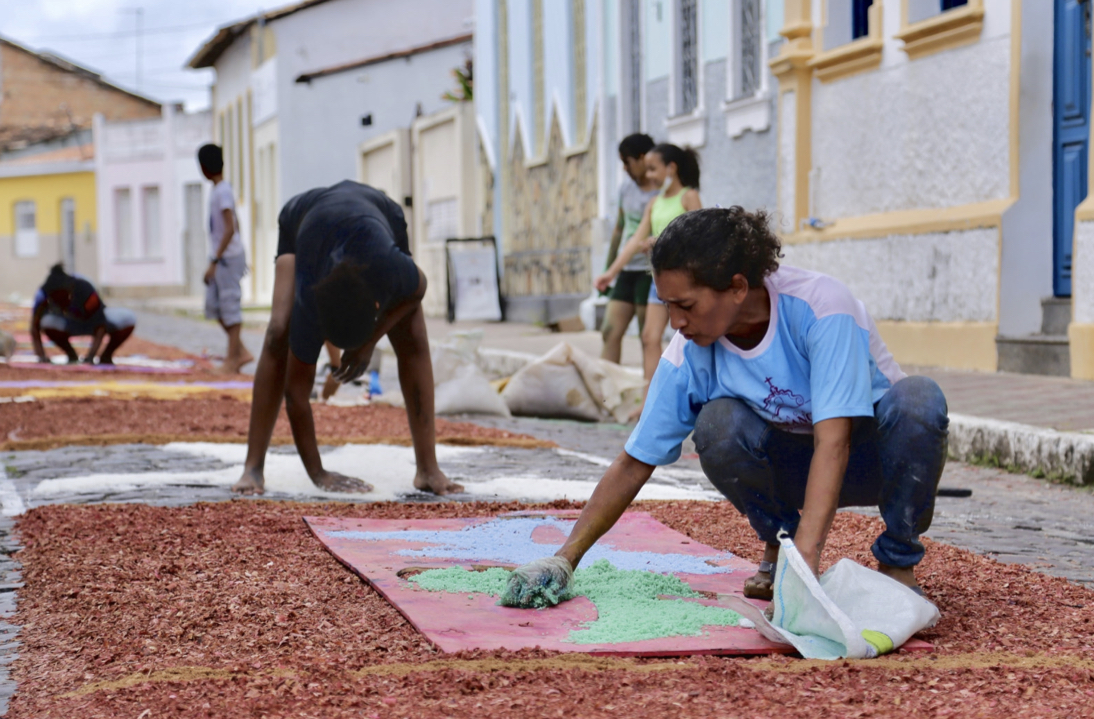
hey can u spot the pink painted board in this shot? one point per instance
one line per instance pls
(460, 622)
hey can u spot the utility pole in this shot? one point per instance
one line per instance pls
(139, 12)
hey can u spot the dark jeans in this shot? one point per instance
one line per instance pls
(896, 461)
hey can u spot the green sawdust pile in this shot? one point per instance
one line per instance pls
(627, 602)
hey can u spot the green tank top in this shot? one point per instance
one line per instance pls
(665, 210)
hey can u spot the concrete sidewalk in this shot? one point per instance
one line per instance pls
(1043, 426)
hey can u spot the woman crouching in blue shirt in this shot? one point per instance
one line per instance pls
(797, 406)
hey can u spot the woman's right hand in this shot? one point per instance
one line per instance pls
(542, 583)
(604, 281)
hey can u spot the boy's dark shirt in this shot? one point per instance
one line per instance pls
(86, 305)
(345, 221)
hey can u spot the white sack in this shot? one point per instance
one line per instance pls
(552, 386)
(827, 619)
(567, 383)
(459, 385)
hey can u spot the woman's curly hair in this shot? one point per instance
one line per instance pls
(714, 244)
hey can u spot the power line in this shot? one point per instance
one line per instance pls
(120, 33)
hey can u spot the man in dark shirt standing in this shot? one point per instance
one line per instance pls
(344, 274)
(68, 306)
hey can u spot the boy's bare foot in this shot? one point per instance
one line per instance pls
(904, 575)
(232, 365)
(437, 483)
(335, 482)
(252, 482)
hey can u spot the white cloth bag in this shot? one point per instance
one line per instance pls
(851, 613)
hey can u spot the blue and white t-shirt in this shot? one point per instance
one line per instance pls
(821, 358)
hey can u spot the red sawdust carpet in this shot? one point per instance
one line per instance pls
(97, 420)
(232, 609)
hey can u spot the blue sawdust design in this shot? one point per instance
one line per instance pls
(509, 541)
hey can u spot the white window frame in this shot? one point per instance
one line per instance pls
(124, 242)
(686, 129)
(746, 112)
(27, 242)
(150, 225)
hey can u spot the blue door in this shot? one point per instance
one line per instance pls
(1071, 131)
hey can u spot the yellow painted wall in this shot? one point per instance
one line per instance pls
(48, 191)
(21, 276)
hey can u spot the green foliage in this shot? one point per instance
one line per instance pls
(465, 84)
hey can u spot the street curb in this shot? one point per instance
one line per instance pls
(1060, 456)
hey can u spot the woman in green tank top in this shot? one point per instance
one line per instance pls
(677, 170)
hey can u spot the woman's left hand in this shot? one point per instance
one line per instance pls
(211, 273)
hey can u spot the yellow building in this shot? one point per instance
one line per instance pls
(47, 215)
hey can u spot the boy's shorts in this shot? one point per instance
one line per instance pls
(223, 296)
(632, 287)
(117, 318)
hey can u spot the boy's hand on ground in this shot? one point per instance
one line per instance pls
(354, 363)
(335, 482)
(252, 482)
(542, 583)
(44, 359)
(330, 386)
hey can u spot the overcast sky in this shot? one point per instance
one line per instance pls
(101, 35)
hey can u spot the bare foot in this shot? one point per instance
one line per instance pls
(334, 482)
(904, 575)
(436, 483)
(232, 365)
(252, 482)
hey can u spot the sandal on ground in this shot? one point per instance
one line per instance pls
(757, 587)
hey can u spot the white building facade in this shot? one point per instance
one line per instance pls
(560, 83)
(299, 89)
(151, 204)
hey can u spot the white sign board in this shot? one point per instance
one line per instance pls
(473, 280)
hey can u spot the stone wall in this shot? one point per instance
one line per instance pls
(552, 208)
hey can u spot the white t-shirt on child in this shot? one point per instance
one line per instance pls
(221, 199)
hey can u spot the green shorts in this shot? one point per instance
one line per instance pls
(632, 287)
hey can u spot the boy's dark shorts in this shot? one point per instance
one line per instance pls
(632, 287)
